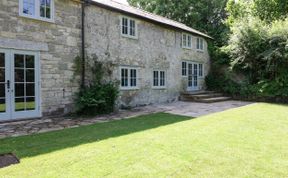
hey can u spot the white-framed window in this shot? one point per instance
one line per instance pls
(37, 9)
(129, 78)
(200, 44)
(184, 68)
(129, 27)
(159, 79)
(186, 41)
(201, 70)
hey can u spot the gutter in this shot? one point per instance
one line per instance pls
(84, 3)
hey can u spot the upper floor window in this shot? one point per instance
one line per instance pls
(159, 79)
(128, 27)
(200, 44)
(129, 78)
(37, 9)
(186, 41)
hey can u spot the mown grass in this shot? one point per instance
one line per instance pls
(251, 141)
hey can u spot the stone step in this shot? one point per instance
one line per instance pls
(213, 100)
(197, 92)
(203, 96)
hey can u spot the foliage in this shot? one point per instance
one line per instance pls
(100, 93)
(270, 10)
(260, 51)
(206, 16)
(97, 99)
(237, 10)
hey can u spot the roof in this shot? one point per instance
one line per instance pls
(133, 11)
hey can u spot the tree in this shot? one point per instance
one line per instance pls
(270, 10)
(205, 15)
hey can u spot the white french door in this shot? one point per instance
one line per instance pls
(193, 76)
(19, 85)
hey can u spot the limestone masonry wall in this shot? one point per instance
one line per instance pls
(63, 41)
(156, 48)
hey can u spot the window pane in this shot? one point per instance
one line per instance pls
(2, 75)
(2, 90)
(184, 68)
(162, 78)
(189, 41)
(125, 26)
(30, 75)
(155, 78)
(19, 60)
(133, 77)
(124, 77)
(30, 103)
(48, 12)
(19, 75)
(30, 89)
(29, 61)
(132, 27)
(19, 104)
(2, 60)
(19, 90)
(201, 44)
(200, 70)
(184, 41)
(2, 105)
(29, 7)
(42, 11)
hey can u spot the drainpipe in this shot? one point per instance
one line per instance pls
(84, 3)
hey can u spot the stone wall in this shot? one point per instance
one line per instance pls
(60, 42)
(156, 48)
(63, 42)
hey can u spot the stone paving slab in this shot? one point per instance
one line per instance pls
(28, 127)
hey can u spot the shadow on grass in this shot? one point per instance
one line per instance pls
(29, 146)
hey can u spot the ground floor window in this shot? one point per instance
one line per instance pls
(159, 78)
(184, 68)
(201, 70)
(129, 78)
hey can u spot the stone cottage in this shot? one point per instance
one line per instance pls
(155, 58)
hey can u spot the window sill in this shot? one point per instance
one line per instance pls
(129, 88)
(200, 50)
(129, 36)
(159, 88)
(37, 18)
(187, 48)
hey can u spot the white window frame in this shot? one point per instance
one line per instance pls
(202, 68)
(129, 87)
(182, 69)
(200, 44)
(159, 79)
(129, 21)
(37, 16)
(185, 41)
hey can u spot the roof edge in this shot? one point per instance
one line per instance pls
(196, 32)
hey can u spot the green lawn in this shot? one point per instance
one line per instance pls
(251, 141)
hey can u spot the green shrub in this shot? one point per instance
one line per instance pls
(97, 96)
(97, 99)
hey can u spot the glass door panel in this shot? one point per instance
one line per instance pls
(24, 82)
(195, 77)
(5, 85)
(190, 76)
(2, 83)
